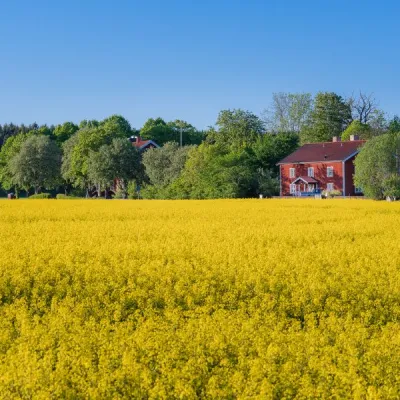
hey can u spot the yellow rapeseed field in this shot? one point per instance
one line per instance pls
(225, 299)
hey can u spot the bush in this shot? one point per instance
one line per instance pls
(62, 196)
(40, 196)
(133, 190)
(331, 193)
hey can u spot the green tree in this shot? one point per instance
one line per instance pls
(271, 148)
(10, 148)
(65, 131)
(214, 171)
(164, 164)
(289, 112)
(364, 131)
(236, 128)
(159, 131)
(89, 124)
(78, 148)
(118, 162)
(329, 117)
(377, 166)
(117, 126)
(394, 125)
(190, 135)
(37, 164)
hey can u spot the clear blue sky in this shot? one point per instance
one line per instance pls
(88, 59)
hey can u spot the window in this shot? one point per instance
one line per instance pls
(329, 187)
(311, 172)
(292, 188)
(329, 172)
(358, 190)
(291, 173)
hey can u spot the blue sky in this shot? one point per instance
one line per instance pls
(88, 59)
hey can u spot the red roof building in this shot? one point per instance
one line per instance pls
(141, 144)
(315, 167)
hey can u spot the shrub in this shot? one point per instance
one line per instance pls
(62, 196)
(40, 196)
(331, 193)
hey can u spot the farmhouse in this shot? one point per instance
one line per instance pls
(315, 167)
(141, 144)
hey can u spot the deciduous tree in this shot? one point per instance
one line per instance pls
(37, 164)
(377, 166)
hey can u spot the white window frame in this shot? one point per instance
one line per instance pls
(358, 190)
(329, 187)
(292, 188)
(292, 173)
(329, 172)
(310, 172)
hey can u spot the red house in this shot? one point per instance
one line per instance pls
(315, 167)
(141, 144)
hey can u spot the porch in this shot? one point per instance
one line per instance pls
(304, 186)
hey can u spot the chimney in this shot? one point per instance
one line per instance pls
(336, 139)
(354, 137)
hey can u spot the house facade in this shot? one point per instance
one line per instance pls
(317, 167)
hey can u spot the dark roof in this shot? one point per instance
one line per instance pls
(306, 179)
(320, 152)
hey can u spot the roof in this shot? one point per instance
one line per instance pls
(306, 179)
(141, 144)
(323, 152)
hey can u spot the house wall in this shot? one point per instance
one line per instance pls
(349, 172)
(320, 172)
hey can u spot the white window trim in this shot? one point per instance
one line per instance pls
(292, 173)
(358, 190)
(329, 172)
(312, 172)
(329, 186)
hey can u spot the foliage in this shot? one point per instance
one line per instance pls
(268, 149)
(357, 128)
(329, 117)
(190, 135)
(164, 164)
(118, 162)
(162, 132)
(65, 131)
(331, 193)
(158, 130)
(62, 196)
(37, 164)
(40, 196)
(289, 112)
(394, 125)
(87, 140)
(10, 148)
(236, 128)
(391, 186)
(214, 171)
(117, 125)
(133, 190)
(214, 299)
(267, 183)
(376, 164)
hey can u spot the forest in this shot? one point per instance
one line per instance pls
(234, 158)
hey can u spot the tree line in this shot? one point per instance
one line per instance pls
(234, 158)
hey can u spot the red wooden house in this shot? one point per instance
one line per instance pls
(141, 144)
(315, 167)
